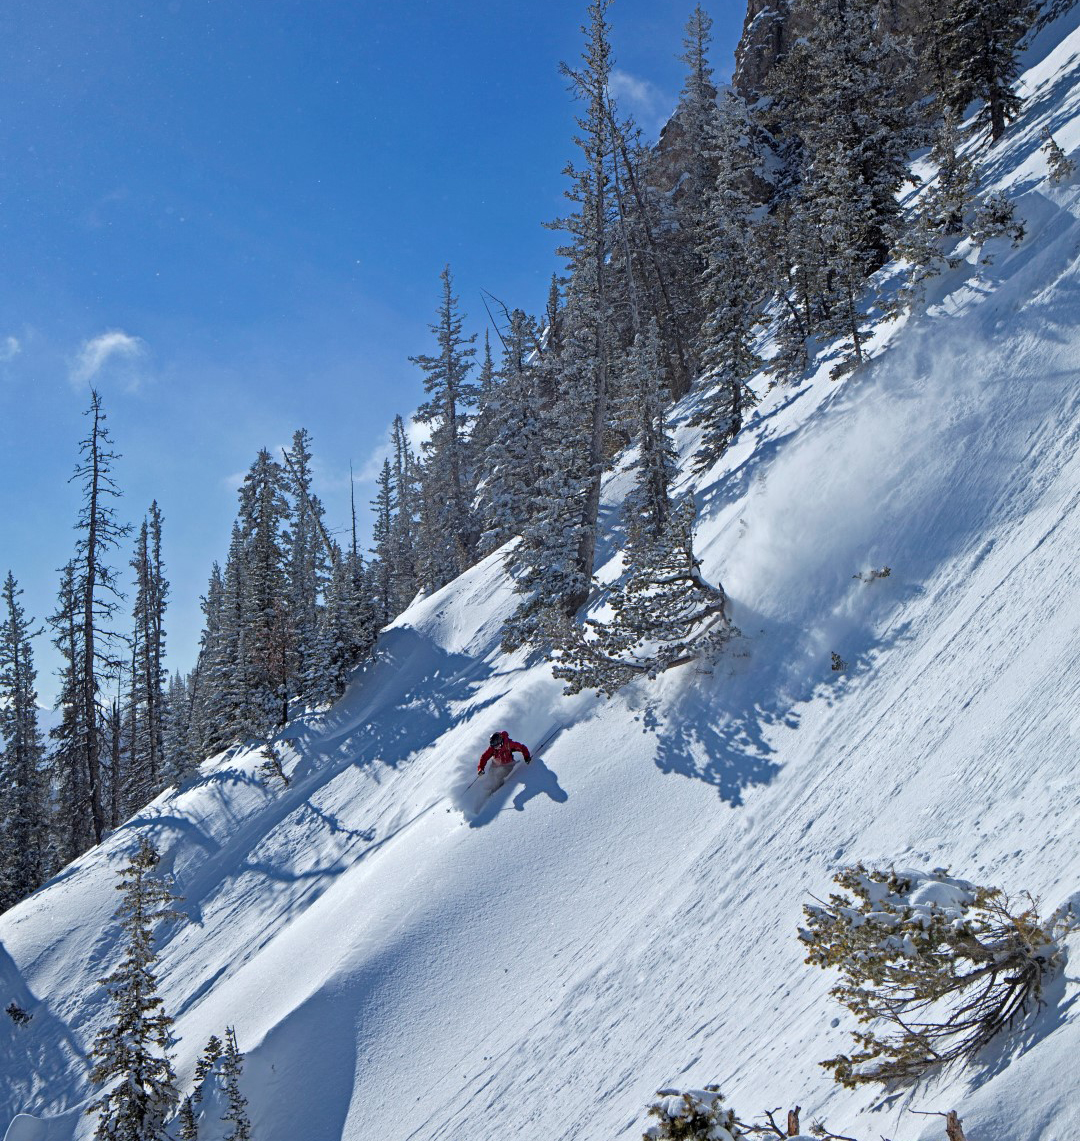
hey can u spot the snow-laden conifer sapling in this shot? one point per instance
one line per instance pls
(1061, 167)
(691, 1115)
(232, 1068)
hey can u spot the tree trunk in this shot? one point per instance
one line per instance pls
(953, 1127)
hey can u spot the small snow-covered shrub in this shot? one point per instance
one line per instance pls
(17, 1014)
(938, 965)
(692, 1115)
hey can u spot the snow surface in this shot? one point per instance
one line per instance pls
(622, 914)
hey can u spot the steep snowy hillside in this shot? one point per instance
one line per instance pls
(622, 915)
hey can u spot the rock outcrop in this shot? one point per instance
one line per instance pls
(771, 26)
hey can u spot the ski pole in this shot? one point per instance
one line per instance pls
(548, 739)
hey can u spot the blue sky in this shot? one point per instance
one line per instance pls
(230, 216)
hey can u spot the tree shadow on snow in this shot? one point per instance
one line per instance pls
(727, 750)
(37, 1058)
(432, 690)
(414, 692)
(761, 681)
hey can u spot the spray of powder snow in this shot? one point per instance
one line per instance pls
(878, 476)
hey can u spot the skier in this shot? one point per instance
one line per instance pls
(500, 752)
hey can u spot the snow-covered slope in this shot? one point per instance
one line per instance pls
(622, 915)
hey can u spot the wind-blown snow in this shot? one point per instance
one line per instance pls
(622, 915)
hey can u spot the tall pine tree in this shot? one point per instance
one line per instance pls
(980, 42)
(264, 642)
(98, 597)
(23, 808)
(308, 557)
(448, 544)
(554, 561)
(512, 462)
(131, 1054)
(732, 287)
(146, 763)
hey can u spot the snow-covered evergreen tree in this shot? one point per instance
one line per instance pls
(1061, 167)
(382, 530)
(97, 595)
(513, 460)
(177, 728)
(347, 626)
(23, 806)
(210, 679)
(119, 726)
(552, 309)
(950, 209)
(554, 561)
(648, 506)
(839, 114)
(662, 614)
(687, 211)
(480, 434)
(732, 287)
(841, 210)
(264, 642)
(547, 564)
(692, 1115)
(404, 528)
(697, 115)
(187, 1120)
(980, 46)
(72, 831)
(652, 273)
(232, 1069)
(205, 1067)
(308, 558)
(146, 763)
(131, 1054)
(448, 544)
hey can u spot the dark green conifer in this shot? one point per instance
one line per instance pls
(131, 1054)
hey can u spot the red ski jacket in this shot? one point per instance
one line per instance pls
(502, 754)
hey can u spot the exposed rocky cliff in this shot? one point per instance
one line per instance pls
(772, 25)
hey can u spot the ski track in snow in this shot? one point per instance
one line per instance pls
(621, 914)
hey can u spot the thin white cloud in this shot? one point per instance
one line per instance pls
(109, 348)
(9, 348)
(650, 106)
(416, 433)
(368, 471)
